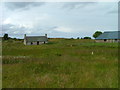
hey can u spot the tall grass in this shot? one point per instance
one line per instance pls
(60, 64)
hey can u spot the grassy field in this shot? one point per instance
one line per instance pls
(61, 63)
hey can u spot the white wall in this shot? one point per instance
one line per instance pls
(35, 43)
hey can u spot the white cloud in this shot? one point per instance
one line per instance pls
(25, 26)
(7, 21)
(63, 29)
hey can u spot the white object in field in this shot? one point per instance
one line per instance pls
(92, 53)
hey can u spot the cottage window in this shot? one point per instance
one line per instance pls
(105, 40)
(115, 39)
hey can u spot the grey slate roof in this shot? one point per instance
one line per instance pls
(110, 35)
(36, 38)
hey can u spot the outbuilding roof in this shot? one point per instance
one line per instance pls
(110, 35)
(36, 38)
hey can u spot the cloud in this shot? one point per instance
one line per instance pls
(22, 5)
(21, 29)
(6, 27)
(75, 5)
(63, 29)
(13, 29)
(82, 20)
(114, 9)
(113, 12)
(7, 21)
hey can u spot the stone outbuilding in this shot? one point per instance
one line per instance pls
(35, 40)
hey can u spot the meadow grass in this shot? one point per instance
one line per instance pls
(62, 63)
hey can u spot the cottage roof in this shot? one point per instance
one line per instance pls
(36, 38)
(110, 35)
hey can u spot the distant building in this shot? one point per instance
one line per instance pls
(111, 36)
(35, 40)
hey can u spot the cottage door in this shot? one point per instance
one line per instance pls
(37, 42)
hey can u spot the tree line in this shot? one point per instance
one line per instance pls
(6, 37)
(95, 35)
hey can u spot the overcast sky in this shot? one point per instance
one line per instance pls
(58, 19)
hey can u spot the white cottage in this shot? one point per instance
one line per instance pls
(35, 40)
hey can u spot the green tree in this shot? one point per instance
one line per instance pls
(78, 38)
(5, 37)
(96, 34)
(87, 37)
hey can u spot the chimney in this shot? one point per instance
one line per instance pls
(46, 35)
(24, 35)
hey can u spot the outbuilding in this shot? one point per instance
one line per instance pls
(109, 36)
(35, 40)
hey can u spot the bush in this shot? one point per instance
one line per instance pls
(87, 37)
